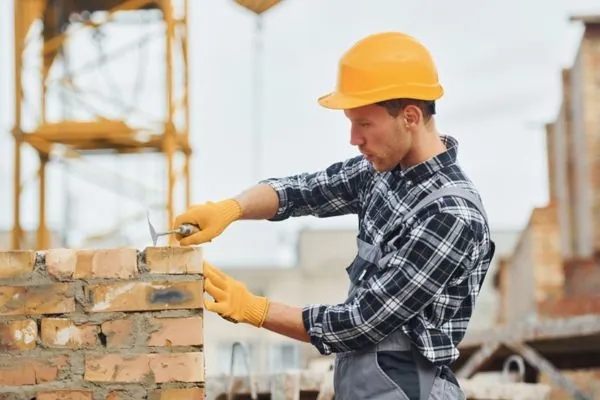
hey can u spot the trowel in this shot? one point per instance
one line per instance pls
(183, 230)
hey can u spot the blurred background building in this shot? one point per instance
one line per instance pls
(554, 271)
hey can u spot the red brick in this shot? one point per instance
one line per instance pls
(64, 333)
(118, 395)
(144, 296)
(177, 394)
(106, 263)
(128, 393)
(178, 367)
(18, 335)
(119, 333)
(154, 368)
(30, 371)
(174, 260)
(118, 368)
(177, 332)
(65, 394)
(582, 277)
(569, 307)
(60, 263)
(16, 263)
(42, 299)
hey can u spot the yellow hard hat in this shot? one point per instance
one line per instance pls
(384, 66)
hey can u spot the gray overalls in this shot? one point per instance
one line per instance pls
(360, 374)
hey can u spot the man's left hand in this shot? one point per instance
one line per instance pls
(233, 301)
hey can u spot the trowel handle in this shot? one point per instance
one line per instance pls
(188, 229)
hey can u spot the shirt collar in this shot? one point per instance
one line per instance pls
(428, 168)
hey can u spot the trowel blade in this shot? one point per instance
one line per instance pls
(153, 234)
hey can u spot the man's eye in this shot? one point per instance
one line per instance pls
(365, 124)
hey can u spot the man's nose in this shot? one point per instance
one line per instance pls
(355, 138)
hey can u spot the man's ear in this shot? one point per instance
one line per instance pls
(412, 116)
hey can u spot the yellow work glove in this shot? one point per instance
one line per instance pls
(233, 301)
(211, 218)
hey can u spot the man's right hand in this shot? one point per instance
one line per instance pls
(212, 219)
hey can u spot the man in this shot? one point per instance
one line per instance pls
(424, 244)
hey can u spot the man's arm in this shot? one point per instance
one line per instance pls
(287, 321)
(333, 191)
(258, 202)
(330, 192)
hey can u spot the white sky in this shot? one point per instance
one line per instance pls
(499, 62)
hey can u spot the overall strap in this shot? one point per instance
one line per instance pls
(458, 191)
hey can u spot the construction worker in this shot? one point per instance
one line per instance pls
(424, 244)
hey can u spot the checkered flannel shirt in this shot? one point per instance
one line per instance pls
(429, 285)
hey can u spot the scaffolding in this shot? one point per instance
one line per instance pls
(71, 107)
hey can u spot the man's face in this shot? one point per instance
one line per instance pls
(381, 138)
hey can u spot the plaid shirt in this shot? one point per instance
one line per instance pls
(436, 261)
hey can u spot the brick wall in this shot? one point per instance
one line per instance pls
(581, 296)
(534, 272)
(548, 273)
(573, 151)
(502, 285)
(108, 324)
(553, 153)
(515, 282)
(574, 165)
(561, 169)
(582, 277)
(591, 121)
(585, 95)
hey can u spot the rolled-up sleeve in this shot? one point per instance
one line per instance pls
(410, 279)
(330, 192)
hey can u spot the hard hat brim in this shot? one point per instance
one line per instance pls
(338, 101)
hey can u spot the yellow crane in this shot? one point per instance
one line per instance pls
(61, 109)
(69, 116)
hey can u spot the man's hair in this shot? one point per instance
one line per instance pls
(394, 106)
